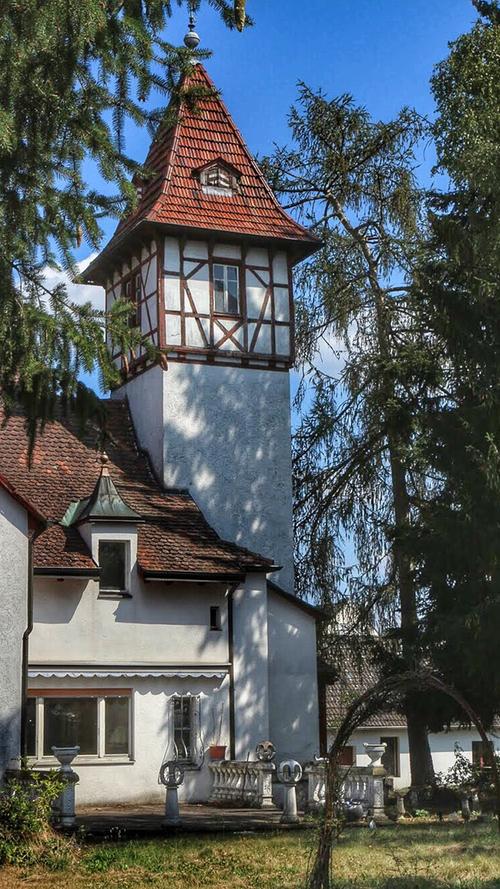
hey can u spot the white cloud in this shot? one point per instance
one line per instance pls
(78, 293)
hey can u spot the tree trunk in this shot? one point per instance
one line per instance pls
(422, 771)
(421, 766)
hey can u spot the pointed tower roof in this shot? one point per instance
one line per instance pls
(104, 504)
(174, 197)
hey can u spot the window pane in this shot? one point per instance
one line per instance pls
(219, 301)
(116, 732)
(182, 727)
(232, 291)
(31, 727)
(112, 564)
(69, 722)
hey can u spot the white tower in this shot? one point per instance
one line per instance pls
(206, 257)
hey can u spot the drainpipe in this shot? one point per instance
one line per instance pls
(230, 632)
(24, 673)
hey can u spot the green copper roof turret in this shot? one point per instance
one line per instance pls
(103, 505)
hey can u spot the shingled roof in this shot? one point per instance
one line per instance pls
(173, 196)
(174, 539)
(357, 672)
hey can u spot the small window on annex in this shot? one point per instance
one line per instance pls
(226, 289)
(390, 759)
(113, 565)
(480, 753)
(348, 756)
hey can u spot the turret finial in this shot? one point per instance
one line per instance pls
(192, 39)
(104, 460)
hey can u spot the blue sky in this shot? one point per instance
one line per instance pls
(381, 51)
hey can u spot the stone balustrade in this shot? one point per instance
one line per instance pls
(363, 784)
(247, 783)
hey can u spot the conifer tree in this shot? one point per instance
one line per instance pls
(72, 73)
(352, 179)
(458, 292)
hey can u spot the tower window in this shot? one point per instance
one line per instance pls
(113, 565)
(226, 289)
(131, 293)
(215, 617)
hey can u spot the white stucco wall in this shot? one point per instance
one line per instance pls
(250, 658)
(136, 780)
(227, 439)
(442, 746)
(293, 691)
(13, 610)
(160, 624)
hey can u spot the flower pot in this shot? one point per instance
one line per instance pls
(217, 751)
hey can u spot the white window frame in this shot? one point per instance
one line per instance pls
(101, 756)
(127, 569)
(226, 266)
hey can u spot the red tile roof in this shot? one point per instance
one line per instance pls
(174, 196)
(357, 672)
(174, 538)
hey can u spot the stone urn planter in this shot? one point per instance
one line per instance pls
(375, 753)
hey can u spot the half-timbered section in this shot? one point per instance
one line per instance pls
(136, 281)
(227, 300)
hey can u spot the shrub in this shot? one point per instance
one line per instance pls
(26, 836)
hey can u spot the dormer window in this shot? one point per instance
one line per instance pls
(219, 178)
(113, 559)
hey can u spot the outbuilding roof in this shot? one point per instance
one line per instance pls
(174, 197)
(174, 538)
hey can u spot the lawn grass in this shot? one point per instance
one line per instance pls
(405, 857)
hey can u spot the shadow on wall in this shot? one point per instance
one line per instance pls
(292, 685)
(10, 728)
(227, 439)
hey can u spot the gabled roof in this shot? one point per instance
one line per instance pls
(173, 196)
(357, 672)
(32, 511)
(174, 537)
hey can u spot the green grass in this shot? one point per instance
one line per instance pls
(405, 857)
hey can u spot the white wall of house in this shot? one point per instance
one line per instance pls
(161, 624)
(251, 656)
(293, 714)
(13, 610)
(135, 779)
(442, 746)
(226, 437)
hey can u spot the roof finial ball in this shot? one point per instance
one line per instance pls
(191, 40)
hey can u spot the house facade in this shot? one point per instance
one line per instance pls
(164, 614)
(356, 673)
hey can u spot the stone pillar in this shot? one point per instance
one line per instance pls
(66, 755)
(266, 771)
(290, 773)
(171, 776)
